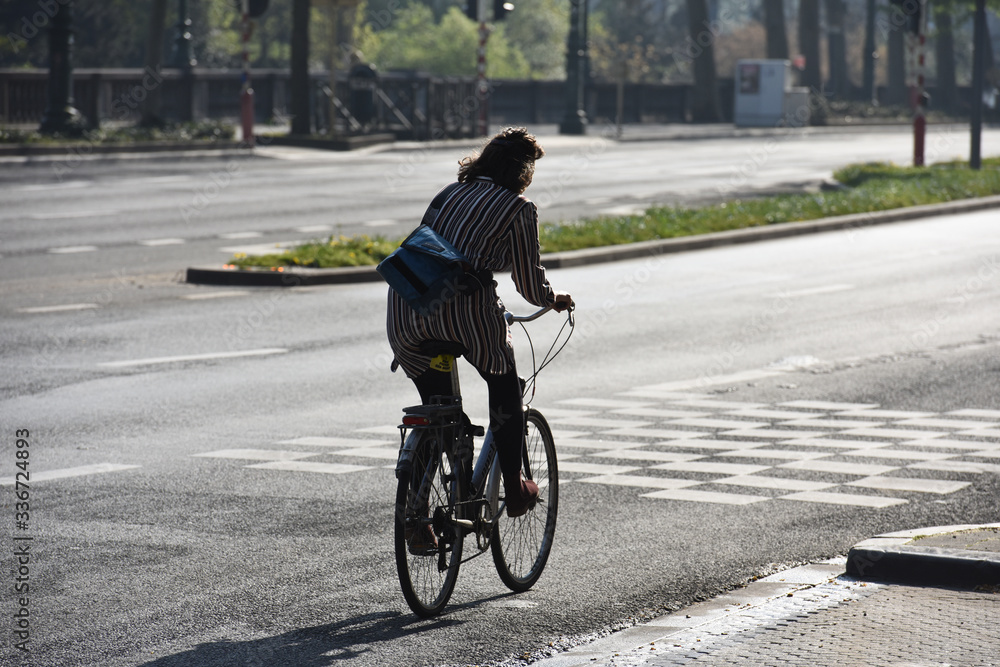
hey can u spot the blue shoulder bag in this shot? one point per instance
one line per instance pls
(426, 270)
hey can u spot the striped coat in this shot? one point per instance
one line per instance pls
(496, 229)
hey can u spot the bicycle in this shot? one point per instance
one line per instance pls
(441, 497)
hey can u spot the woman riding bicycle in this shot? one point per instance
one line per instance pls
(487, 218)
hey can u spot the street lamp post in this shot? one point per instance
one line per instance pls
(978, 72)
(575, 119)
(60, 117)
(181, 57)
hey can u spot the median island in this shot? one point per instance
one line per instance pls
(858, 189)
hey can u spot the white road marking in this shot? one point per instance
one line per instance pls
(939, 486)
(957, 466)
(660, 433)
(981, 433)
(723, 445)
(159, 242)
(716, 423)
(904, 454)
(232, 236)
(831, 498)
(78, 471)
(944, 444)
(641, 481)
(770, 433)
(58, 309)
(194, 357)
(379, 223)
(604, 403)
(605, 445)
(828, 405)
(838, 467)
(873, 413)
(312, 229)
(594, 422)
(836, 443)
(310, 466)
(705, 497)
(70, 215)
(658, 413)
(713, 467)
(782, 454)
(778, 483)
(984, 414)
(73, 249)
(645, 455)
(763, 413)
(256, 454)
(958, 424)
(829, 423)
(594, 468)
(827, 289)
(331, 442)
(893, 433)
(215, 295)
(389, 453)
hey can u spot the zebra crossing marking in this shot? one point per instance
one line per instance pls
(910, 484)
(832, 498)
(635, 437)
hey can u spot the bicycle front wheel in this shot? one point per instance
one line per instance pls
(521, 545)
(428, 544)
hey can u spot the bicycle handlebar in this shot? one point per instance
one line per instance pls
(512, 318)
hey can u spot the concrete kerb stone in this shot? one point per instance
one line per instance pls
(893, 557)
(291, 276)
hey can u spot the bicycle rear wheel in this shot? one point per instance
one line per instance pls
(428, 545)
(521, 545)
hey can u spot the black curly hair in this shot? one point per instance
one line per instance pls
(508, 159)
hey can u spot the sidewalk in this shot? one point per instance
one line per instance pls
(818, 616)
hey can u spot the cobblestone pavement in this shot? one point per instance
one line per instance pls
(844, 623)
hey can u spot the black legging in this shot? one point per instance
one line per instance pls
(506, 416)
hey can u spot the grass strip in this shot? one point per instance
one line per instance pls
(866, 188)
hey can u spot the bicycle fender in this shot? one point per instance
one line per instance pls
(404, 463)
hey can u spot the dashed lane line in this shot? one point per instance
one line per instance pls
(211, 356)
(63, 473)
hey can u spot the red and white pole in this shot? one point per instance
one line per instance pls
(246, 92)
(482, 88)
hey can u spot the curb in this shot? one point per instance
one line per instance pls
(889, 557)
(295, 276)
(84, 148)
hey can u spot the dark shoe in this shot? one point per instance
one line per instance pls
(420, 540)
(524, 501)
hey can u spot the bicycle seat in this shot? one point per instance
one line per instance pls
(433, 348)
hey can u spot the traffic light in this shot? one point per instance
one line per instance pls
(911, 12)
(257, 7)
(500, 9)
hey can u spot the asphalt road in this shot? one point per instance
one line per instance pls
(179, 535)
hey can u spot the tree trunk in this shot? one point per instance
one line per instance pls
(152, 106)
(896, 93)
(809, 43)
(868, 92)
(774, 24)
(837, 50)
(946, 91)
(300, 87)
(705, 96)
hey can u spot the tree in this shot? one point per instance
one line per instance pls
(836, 49)
(705, 95)
(153, 61)
(809, 43)
(774, 23)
